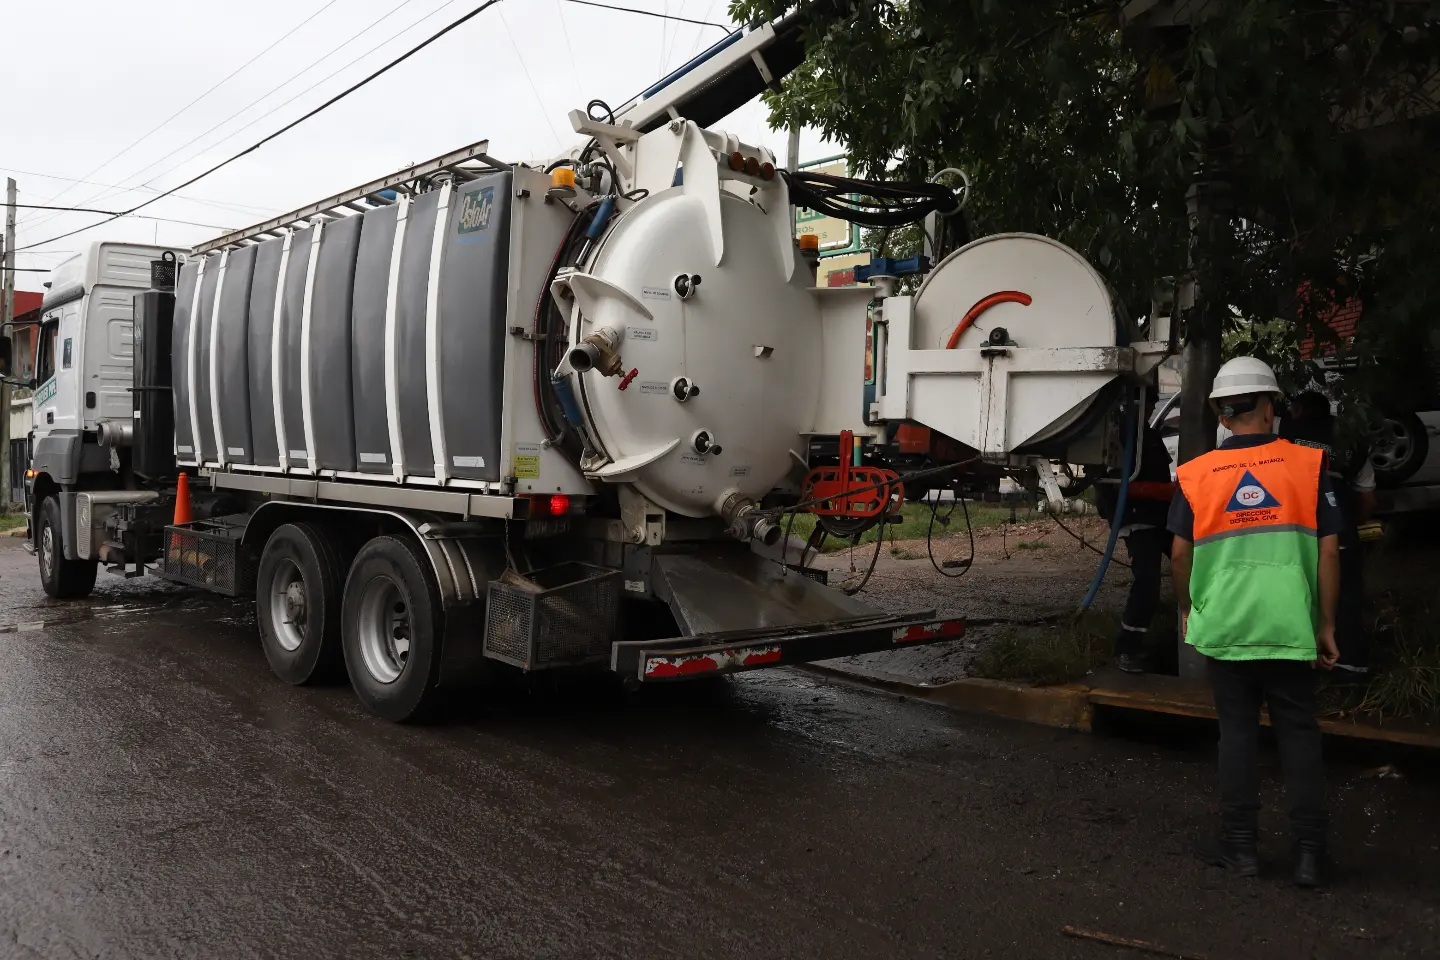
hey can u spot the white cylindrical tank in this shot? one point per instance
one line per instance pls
(715, 375)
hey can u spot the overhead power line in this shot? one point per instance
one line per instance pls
(221, 204)
(285, 103)
(289, 126)
(217, 85)
(114, 213)
(95, 198)
(539, 101)
(652, 13)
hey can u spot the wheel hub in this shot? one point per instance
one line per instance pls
(384, 629)
(1390, 446)
(288, 609)
(295, 602)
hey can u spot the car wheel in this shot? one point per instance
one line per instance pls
(1399, 445)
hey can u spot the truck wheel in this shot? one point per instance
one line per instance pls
(393, 622)
(62, 579)
(297, 603)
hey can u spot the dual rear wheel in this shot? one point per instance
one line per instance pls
(381, 617)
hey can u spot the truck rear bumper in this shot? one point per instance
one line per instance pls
(684, 658)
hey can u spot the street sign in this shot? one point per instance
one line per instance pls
(839, 270)
(836, 236)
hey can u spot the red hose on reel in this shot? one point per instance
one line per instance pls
(985, 303)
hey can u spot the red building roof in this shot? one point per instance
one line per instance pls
(25, 301)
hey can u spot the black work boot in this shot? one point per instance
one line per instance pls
(1309, 849)
(1234, 849)
(1130, 663)
(1309, 866)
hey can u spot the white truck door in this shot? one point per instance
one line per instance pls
(49, 356)
(69, 352)
(108, 355)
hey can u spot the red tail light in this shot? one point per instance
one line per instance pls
(560, 504)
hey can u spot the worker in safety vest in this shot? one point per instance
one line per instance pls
(1256, 565)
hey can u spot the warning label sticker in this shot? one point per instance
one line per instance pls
(655, 293)
(694, 459)
(654, 386)
(642, 333)
(527, 461)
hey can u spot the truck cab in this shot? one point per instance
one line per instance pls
(83, 379)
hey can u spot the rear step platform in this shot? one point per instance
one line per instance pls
(741, 612)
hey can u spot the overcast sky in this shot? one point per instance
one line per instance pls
(83, 80)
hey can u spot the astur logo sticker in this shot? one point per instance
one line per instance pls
(475, 208)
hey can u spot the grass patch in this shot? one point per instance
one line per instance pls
(1032, 545)
(1405, 681)
(9, 521)
(915, 524)
(1048, 655)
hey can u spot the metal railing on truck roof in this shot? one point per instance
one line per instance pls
(462, 165)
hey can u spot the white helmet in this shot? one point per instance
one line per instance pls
(1242, 376)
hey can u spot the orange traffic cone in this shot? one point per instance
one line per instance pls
(182, 500)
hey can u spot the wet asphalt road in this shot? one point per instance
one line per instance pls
(162, 795)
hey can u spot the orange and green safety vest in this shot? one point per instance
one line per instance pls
(1254, 577)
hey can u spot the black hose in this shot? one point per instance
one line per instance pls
(1086, 543)
(889, 204)
(930, 533)
(607, 117)
(548, 323)
(874, 559)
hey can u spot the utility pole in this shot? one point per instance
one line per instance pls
(792, 163)
(7, 330)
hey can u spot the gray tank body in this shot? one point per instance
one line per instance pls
(281, 361)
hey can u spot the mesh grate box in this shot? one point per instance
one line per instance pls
(564, 615)
(207, 553)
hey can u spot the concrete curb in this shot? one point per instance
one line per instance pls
(1072, 706)
(1067, 706)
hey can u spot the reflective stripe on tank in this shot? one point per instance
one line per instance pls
(432, 338)
(306, 403)
(191, 350)
(276, 335)
(392, 350)
(214, 360)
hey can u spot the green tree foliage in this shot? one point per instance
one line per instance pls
(1316, 116)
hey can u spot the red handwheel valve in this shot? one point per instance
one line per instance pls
(625, 380)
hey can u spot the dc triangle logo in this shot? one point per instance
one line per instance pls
(1250, 495)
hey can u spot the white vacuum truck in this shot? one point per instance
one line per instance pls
(479, 413)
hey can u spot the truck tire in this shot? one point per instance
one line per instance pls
(393, 625)
(62, 579)
(298, 589)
